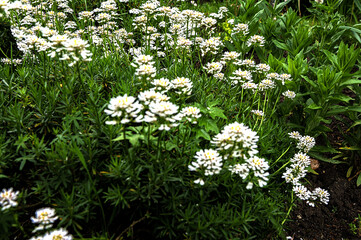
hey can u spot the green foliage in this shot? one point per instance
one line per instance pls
(113, 180)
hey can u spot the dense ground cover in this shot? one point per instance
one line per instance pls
(173, 120)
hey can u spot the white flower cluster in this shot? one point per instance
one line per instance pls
(150, 107)
(236, 140)
(8, 198)
(304, 143)
(58, 234)
(208, 160)
(211, 45)
(11, 61)
(258, 113)
(241, 29)
(289, 94)
(45, 217)
(144, 66)
(298, 170)
(256, 40)
(213, 67)
(124, 108)
(236, 143)
(182, 85)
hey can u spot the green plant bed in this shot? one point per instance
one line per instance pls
(170, 119)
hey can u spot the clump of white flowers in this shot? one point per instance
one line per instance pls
(289, 94)
(124, 109)
(191, 114)
(236, 140)
(238, 145)
(298, 170)
(45, 217)
(256, 40)
(182, 85)
(8, 198)
(57, 234)
(207, 160)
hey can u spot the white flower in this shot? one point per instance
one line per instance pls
(151, 95)
(266, 84)
(248, 63)
(256, 40)
(60, 234)
(258, 113)
(143, 60)
(262, 68)
(45, 217)
(8, 198)
(199, 181)
(301, 159)
(289, 94)
(294, 135)
(284, 77)
(208, 160)
(162, 84)
(230, 56)
(241, 170)
(306, 143)
(218, 76)
(184, 43)
(321, 194)
(273, 76)
(165, 113)
(75, 44)
(241, 76)
(238, 137)
(211, 45)
(249, 185)
(125, 107)
(182, 85)
(146, 70)
(240, 28)
(257, 164)
(191, 114)
(302, 192)
(214, 67)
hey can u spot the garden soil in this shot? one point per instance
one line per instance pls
(332, 221)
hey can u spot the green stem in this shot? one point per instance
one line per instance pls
(289, 210)
(281, 156)
(284, 165)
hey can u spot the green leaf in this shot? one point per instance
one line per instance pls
(358, 182)
(312, 171)
(312, 83)
(121, 137)
(355, 108)
(216, 112)
(352, 148)
(324, 149)
(340, 97)
(202, 133)
(350, 82)
(337, 109)
(358, 4)
(134, 139)
(209, 124)
(314, 106)
(169, 146)
(356, 123)
(324, 159)
(280, 45)
(349, 171)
